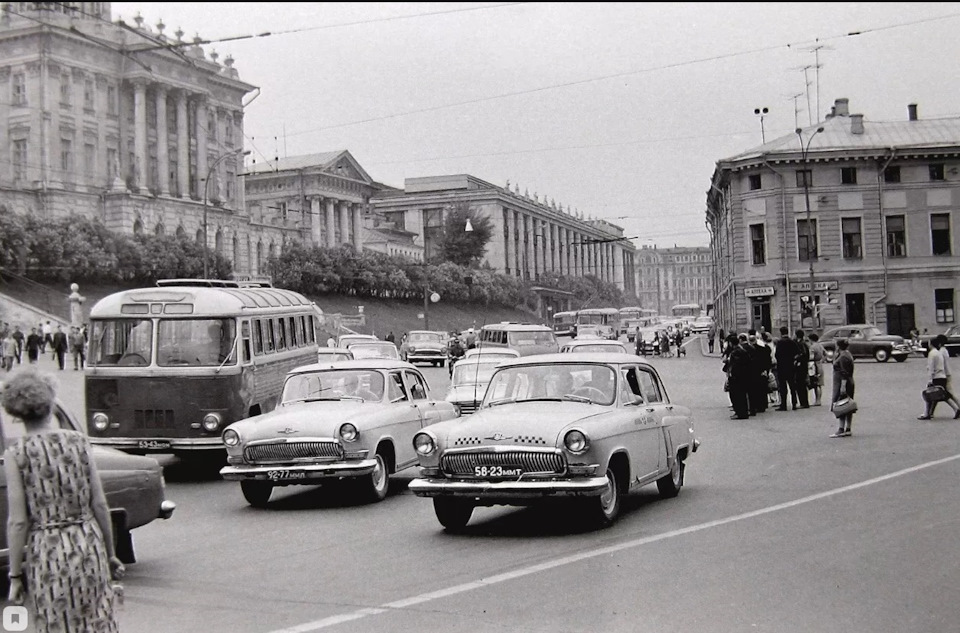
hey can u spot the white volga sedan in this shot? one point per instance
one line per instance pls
(586, 427)
(352, 419)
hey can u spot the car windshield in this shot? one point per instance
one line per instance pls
(578, 382)
(333, 356)
(597, 347)
(371, 350)
(424, 337)
(196, 342)
(524, 339)
(122, 342)
(334, 384)
(472, 373)
(954, 331)
(870, 332)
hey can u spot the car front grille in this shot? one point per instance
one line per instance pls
(542, 462)
(466, 408)
(153, 419)
(290, 451)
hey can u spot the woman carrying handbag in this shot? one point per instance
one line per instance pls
(843, 387)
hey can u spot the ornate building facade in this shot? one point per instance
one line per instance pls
(530, 236)
(670, 276)
(847, 221)
(126, 123)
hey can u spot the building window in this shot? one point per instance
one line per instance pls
(88, 94)
(804, 178)
(66, 155)
(896, 236)
(231, 178)
(19, 89)
(936, 171)
(943, 300)
(228, 133)
(756, 182)
(940, 233)
(891, 174)
(282, 211)
(212, 126)
(113, 167)
(852, 238)
(66, 89)
(89, 160)
(20, 160)
(112, 100)
(807, 240)
(848, 175)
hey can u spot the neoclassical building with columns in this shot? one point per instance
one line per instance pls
(127, 123)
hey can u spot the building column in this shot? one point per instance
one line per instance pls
(357, 226)
(183, 147)
(344, 222)
(507, 240)
(330, 222)
(140, 134)
(200, 121)
(555, 247)
(315, 233)
(163, 158)
(514, 242)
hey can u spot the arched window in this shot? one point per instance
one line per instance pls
(137, 227)
(249, 256)
(236, 253)
(218, 241)
(259, 258)
(271, 252)
(200, 237)
(181, 232)
(160, 230)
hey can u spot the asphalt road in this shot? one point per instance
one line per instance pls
(778, 528)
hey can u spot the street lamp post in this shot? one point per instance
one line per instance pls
(804, 157)
(206, 189)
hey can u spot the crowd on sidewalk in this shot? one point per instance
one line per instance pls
(46, 336)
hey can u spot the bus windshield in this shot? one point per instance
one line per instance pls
(196, 342)
(121, 342)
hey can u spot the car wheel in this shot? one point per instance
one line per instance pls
(603, 510)
(453, 514)
(900, 359)
(374, 487)
(669, 485)
(257, 493)
(881, 355)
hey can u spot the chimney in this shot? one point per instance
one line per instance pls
(841, 107)
(912, 112)
(856, 124)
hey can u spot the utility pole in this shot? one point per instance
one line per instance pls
(804, 157)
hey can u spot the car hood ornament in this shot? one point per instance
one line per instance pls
(287, 431)
(496, 437)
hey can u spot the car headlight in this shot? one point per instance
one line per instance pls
(211, 422)
(231, 437)
(576, 441)
(411, 349)
(100, 421)
(348, 432)
(424, 443)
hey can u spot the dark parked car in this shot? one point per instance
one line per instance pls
(866, 341)
(133, 484)
(953, 341)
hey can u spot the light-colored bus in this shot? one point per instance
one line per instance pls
(607, 319)
(565, 323)
(635, 317)
(527, 339)
(169, 367)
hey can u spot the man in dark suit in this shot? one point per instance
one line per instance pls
(759, 364)
(60, 346)
(739, 367)
(786, 355)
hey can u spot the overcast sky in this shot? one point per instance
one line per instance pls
(619, 110)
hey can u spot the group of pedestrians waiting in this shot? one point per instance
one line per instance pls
(13, 344)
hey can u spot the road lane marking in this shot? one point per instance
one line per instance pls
(405, 603)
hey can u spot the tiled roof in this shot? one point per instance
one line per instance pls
(924, 134)
(295, 162)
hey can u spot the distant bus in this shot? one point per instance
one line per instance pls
(170, 366)
(608, 319)
(632, 318)
(565, 323)
(686, 311)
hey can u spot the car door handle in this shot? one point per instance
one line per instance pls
(650, 409)
(669, 407)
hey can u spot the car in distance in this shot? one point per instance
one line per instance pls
(333, 354)
(344, 340)
(374, 349)
(492, 352)
(588, 428)
(590, 332)
(701, 325)
(953, 341)
(351, 420)
(604, 346)
(469, 380)
(424, 346)
(133, 484)
(866, 341)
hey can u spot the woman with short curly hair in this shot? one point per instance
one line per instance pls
(58, 524)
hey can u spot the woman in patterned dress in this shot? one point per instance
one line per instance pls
(58, 527)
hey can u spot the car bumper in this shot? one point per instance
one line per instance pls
(160, 444)
(300, 473)
(426, 356)
(580, 487)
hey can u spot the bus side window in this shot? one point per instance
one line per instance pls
(302, 329)
(281, 333)
(292, 329)
(258, 337)
(271, 345)
(245, 340)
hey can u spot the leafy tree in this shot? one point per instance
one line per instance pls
(465, 248)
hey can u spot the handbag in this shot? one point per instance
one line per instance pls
(844, 406)
(935, 393)
(771, 383)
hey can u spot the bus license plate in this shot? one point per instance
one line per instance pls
(153, 445)
(281, 475)
(497, 471)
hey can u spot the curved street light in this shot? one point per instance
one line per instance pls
(206, 188)
(804, 155)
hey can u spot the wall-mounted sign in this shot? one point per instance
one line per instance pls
(804, 286)
(762, 291)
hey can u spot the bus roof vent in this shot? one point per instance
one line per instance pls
(205, 283)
